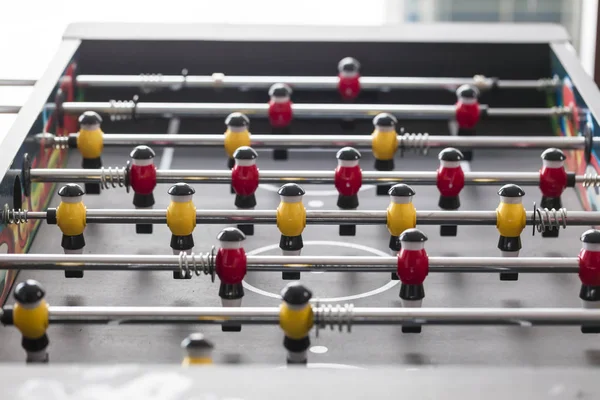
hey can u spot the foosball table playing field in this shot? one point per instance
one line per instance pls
(332, 198)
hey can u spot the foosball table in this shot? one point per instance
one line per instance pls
(377, 201)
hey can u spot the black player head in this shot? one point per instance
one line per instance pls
(280, 90)
(413, 235)
(90, 118)
(348, 154)
(142, 153)
(450, 154)
(591, 236)
(348, 65)
(291, 190)
(553, 154)
(71, 192)
(237, 120)
(231, 235)
(401, 190)
(296, 294)
(181, 192)
(467, 93)
(385, 120)
(29, 292)
(511, 193)
(197, 344)
(245, 153)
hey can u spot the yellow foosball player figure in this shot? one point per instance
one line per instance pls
(181, 220)
(510, 222)
(30, 317)
(90, 143)
(384, 144)
(296, 320)
(198, 350)
(71, 219)
(236, 135)
(401, 215)
(291, 221)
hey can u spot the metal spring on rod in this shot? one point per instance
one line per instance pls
(548, 219)
(197, 263)
(419, 142)
(148, 81)
(591, 180)
(112, 177)
(549, 83)
(12, 216)
(121, 110)
(60, 142)
(333, 315)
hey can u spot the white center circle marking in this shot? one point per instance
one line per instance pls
(319, 349)
(367, 249)
(272, 188)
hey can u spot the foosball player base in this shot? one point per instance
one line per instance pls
(247, 229)
(509, 276)
(92, 188)
(178, 275)
(590, 329)
(448, 230)
(550, 232)
(231, 327)
(290, 276)
(280, 154)
(144, 229)
(411, 328)
(73, 274)
(347, 230)
(382, 190)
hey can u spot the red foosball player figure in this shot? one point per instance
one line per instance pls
(348, 180)
(280, 114)
(450, 181)
(349, 78)
(467, 113)
(413, 268)
(589, 274)
(244, 181)
(142, 177)
(231, 266)
(553, 182)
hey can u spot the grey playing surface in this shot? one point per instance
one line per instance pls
(441, 345)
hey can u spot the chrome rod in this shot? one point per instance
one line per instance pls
(299, 110)
(17, 82)
(323, 217)
(9, 109)
(280, 176)
(330, 315)
(301, 82)
(405, 142)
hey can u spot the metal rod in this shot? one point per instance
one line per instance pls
(17, 82)
(301, 82)
(324, 315)
(280, 263)
(113, 175)
(9, 109)
(329, 217)
(421, 142)
(299, 110)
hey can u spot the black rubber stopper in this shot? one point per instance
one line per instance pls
(347, 230)
(509, 276)
(248, 229)
(231, 327)
(73, 273)
(143, 229)
(448, 230)
(449, 202)
(413, 328)
(290, 276)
